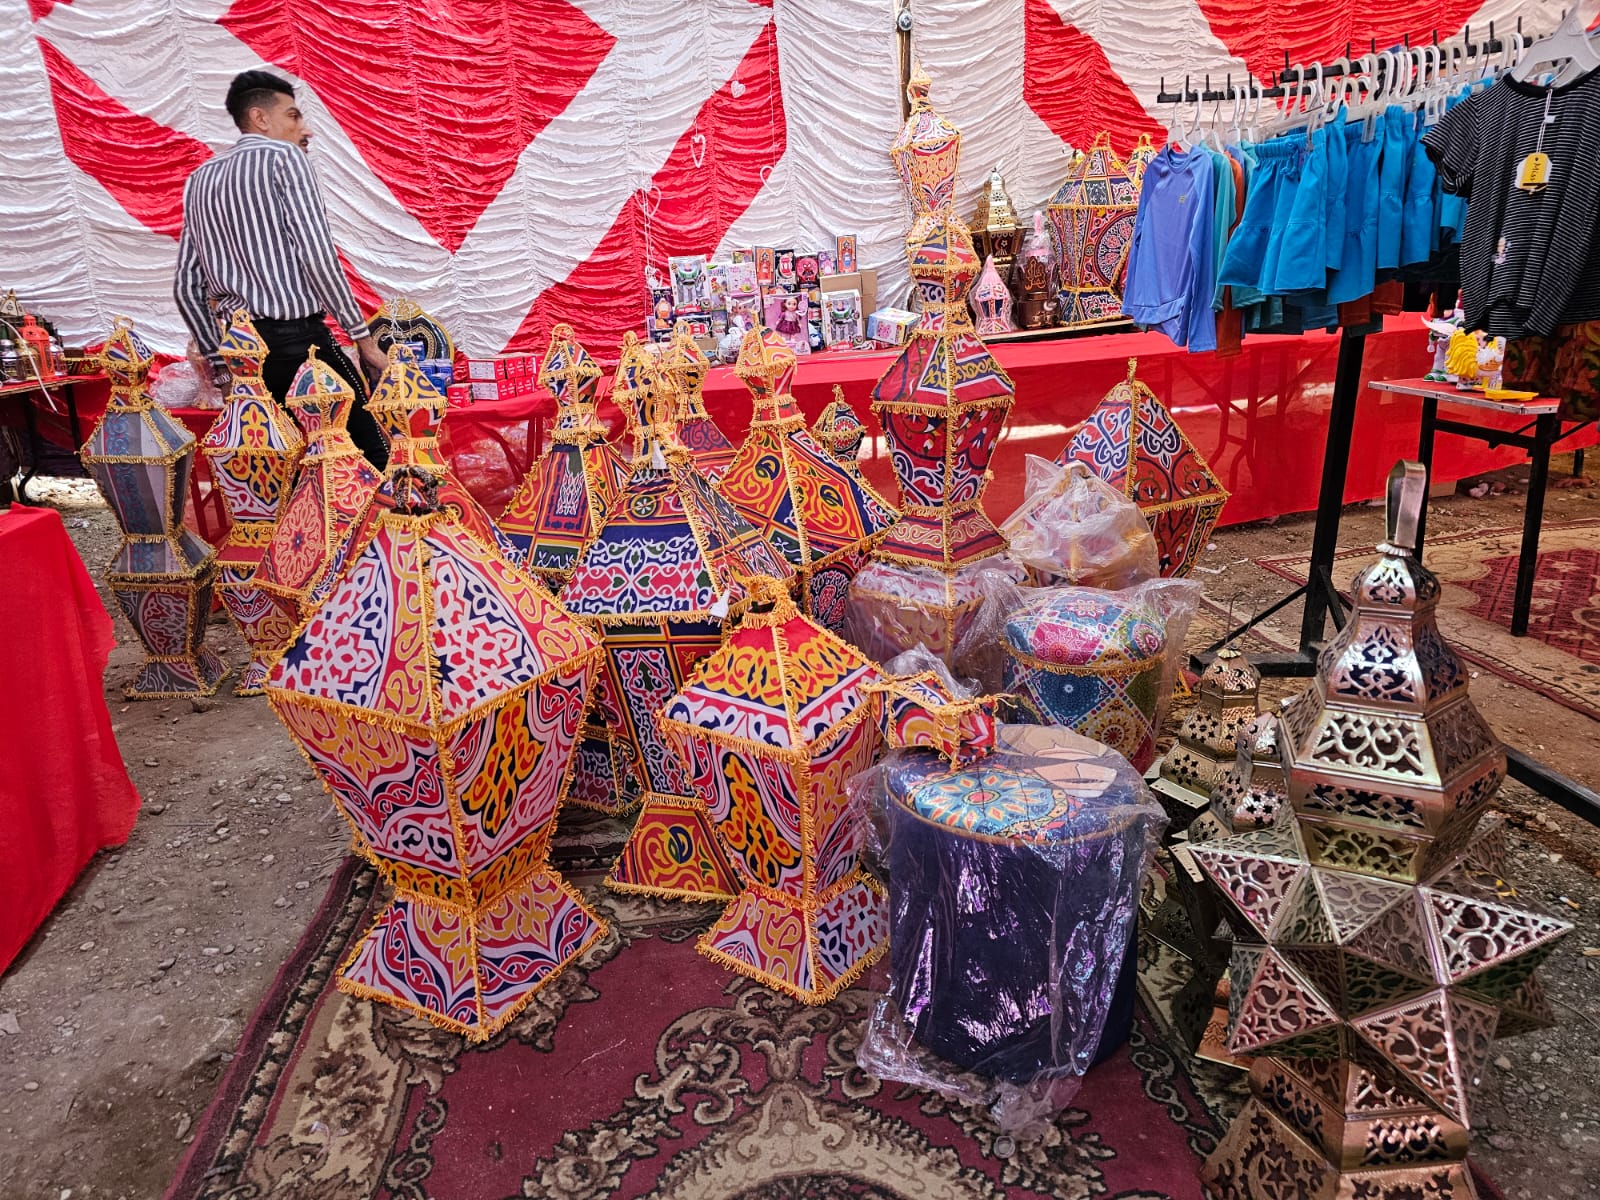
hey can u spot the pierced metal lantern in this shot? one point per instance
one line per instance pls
(1228, 698)
(662, 579)
(438, 692)
(162, 574)
(1132, 441)
(332, 489)
(814, 511)
(685, 365)
(771, 728)
(561, 505)
(253, 448)
(1091, 223)
(927, 155)
(1378, 948)
(995, 228)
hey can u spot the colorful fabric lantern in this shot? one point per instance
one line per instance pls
(686, 365)
(1013, 884)
(942, 404)
(162, 574)
(771, 728)
(636, 379)
(991, 302)
(1377, 948)
(439, 692)
(927, 156)
(253, 448)
(332, 490)
(813, 511)
(666, 572)
(1132, 442)
(561, 505)
(1091, 223)
(1093, 662)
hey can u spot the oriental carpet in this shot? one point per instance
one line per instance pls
(1560, 657)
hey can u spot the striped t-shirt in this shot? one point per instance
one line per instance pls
(1530, 261)
(255, 236)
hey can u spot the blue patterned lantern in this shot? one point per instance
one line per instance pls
(163, 573)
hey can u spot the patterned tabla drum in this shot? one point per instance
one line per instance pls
(1013, 895)
(1092, 661)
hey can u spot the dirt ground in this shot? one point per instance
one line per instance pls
(117, 1021)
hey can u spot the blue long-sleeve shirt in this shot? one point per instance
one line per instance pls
(1171, 277)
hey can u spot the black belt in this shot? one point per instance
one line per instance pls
(297, 327)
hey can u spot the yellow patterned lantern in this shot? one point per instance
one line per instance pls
(814, 511)
(1378, 949)
(927, 155)
(663, 577)
(685, 365)
(439, 692)
(770, 729)
(253, 448)
(162, 574)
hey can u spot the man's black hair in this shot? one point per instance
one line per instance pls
(254, 89)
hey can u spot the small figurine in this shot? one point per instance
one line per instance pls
(1491, 362)
(728, 347)
(844, 316)
(1440, 330)
(1461, 360)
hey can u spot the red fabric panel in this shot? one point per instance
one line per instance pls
(64, 793)
(737, 137)
(1260, 32)
(440, 111)
(1072, 88)
(40, 9)
(1260, 418)
(141, 163)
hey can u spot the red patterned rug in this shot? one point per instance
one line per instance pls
(647, 1070)
(1560, 657)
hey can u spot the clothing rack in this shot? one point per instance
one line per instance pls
(1320, 596)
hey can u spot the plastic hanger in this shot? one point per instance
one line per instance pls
(1568, 48)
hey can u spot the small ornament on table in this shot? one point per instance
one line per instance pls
(1033, 279)
(991, 301)
(995, 229)
(1440, 331)
(1491, 362)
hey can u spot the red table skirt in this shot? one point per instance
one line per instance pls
(64, 793)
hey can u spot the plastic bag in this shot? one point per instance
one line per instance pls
(1103, 663)
(958, 617)
(1013, 894)
(1075, 528)
(177, 385)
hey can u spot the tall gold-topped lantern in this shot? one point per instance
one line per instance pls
(926, 154)
(1378, 948)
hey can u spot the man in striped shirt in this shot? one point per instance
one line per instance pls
(255, 236)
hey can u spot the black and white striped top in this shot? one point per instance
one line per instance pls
(1530, 261)
(255, 236)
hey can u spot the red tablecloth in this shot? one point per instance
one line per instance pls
(64, 793)
(492, 443)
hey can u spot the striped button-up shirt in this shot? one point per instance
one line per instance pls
(255, 236)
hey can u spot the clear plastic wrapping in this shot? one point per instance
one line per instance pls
(1103, 663)
(1075, 528)
(1013, 892)
(958, 617)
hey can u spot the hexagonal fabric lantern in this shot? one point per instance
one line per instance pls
(332, 489)
(770, 728)
(438, 692)
(1132, 442)
(1091, 223)
(253, 448)
(812, 510)
(163, 573)
(1377, 948)
(666, 572)
(562, 503)
(686, 365)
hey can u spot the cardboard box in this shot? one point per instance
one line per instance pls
(891, 326)
(865, 282)
(485, 390)
(459, 395)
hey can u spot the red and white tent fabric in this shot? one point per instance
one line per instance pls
(508, 164)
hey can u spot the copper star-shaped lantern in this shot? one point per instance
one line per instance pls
(1378, 949)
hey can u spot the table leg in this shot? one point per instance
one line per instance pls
(34, 443)
(1532, 520)
(1577, 463)
(1430, 414)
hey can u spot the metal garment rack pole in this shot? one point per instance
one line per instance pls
(1319, 593)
